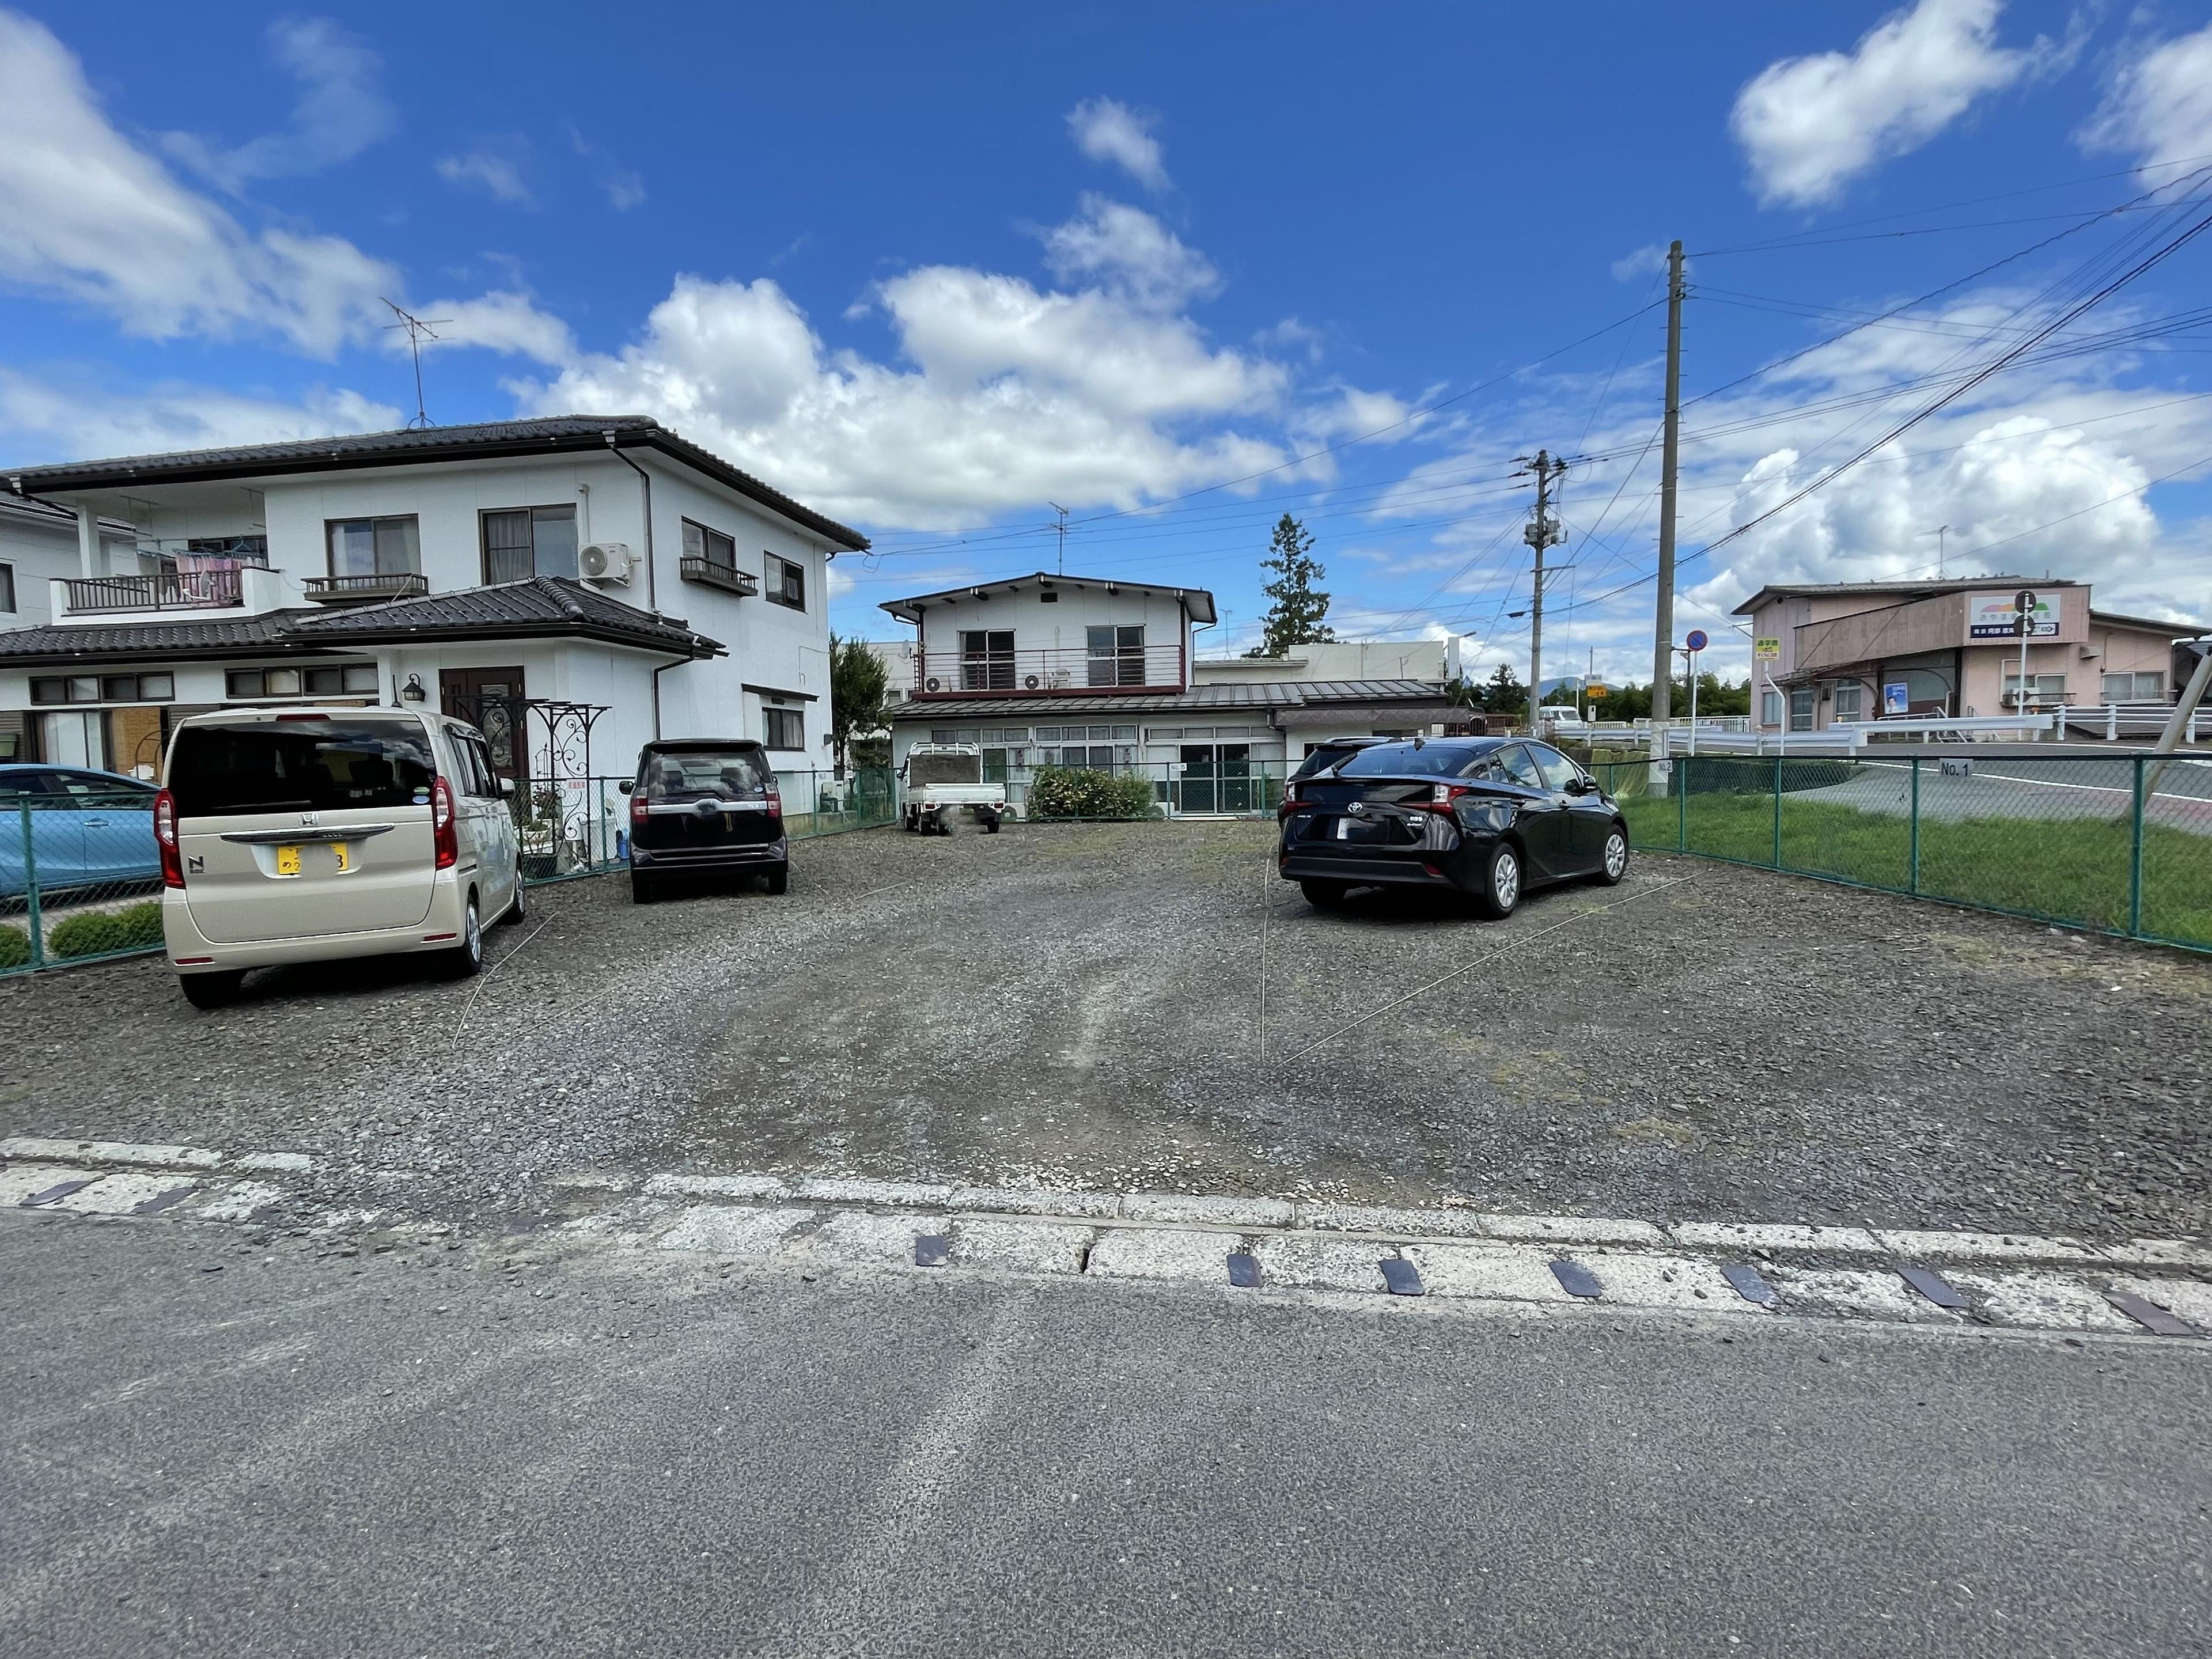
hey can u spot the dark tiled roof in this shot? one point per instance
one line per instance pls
(555, 434)
(1198, 599)
(1263, 698)
(229, 636)
(546, 606)
(543, 605)
(2150, 624)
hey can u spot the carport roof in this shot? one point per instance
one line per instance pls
(1267, 697)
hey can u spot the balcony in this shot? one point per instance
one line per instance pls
(363, 590)
(1065, 671)
(168, 590)
(729, 577)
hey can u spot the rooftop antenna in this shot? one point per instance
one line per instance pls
(1061, 526)
(1938, 532)
(418, 329)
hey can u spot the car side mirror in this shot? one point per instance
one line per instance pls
(625, 785)
(1582, 786)
(507, 788)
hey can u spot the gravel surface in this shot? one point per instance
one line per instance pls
(1081, 1006)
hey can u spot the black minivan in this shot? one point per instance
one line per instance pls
(704, 806)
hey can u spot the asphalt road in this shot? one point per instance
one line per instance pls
(493, 1448)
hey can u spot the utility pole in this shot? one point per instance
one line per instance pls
(1543, 531)
(1663, 638)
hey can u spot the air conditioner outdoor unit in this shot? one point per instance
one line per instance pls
(605, 562)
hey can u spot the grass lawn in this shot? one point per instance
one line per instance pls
(2071, 870)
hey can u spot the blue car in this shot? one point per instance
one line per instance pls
(88, 828)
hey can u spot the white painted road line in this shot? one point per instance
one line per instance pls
(856, 1238)
(725, 1231)
(1307, 1262)
(119, 1194)
(1984, 1247)
(1207, 1211)
(1027, 1247)
(1855, 1293)
(20, 1181)
(1501, 1273)
(1403, 1223)
(1745, 1236)
(1162, 1253)
(1572, 1230)
(237, 1202)
(723, 1186)
(108, 1152)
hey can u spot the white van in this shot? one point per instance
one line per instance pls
(305, 834)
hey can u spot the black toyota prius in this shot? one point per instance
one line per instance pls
(1490, 818)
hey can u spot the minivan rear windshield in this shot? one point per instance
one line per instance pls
(704, 774)
(305, 766)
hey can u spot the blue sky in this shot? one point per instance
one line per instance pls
(1175, 268)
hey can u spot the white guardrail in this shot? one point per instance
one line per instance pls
(1849, 737)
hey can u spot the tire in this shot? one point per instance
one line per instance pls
(779, 880)
(210, 990)
(1324, 895)
(641, 888)
(514, 911)
(1614, 863)
(466, 960)
(1502, 877)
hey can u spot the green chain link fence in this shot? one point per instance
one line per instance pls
(2116, 844)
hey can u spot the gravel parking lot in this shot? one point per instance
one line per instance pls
(1082, 1005)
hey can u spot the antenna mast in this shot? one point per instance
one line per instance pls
(1061, 526)
(418, 329)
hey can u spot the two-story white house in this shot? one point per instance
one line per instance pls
(577, 584)
(1085, 670)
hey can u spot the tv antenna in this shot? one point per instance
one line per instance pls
(418, 329)
(1061, 525)
(1939, 532)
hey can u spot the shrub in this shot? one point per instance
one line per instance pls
(98, 932)
(15, 946)
(1064, 792)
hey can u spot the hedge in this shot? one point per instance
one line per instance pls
(96, 933)
(1063, 792)
(15, 946)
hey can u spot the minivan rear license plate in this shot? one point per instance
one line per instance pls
(345, 856)
(288, 860)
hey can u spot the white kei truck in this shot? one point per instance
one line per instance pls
(944, 782)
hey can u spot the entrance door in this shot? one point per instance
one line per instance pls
(490, 699)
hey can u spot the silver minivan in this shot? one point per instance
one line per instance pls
(307, 834)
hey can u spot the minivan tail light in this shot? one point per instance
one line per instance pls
(165, 837)
(443, 835)
(639, 814)
(773, 796)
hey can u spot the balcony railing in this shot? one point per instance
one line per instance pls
(168, 590)
(1049, 671)
(360, 590)
(743, 583)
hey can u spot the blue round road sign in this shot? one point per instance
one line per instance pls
(1697, 641)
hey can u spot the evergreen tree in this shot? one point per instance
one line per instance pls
(859, 691)
(1296, 608)
(1503, 694)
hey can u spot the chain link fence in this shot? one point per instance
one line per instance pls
(81, 879)
(2116, 844)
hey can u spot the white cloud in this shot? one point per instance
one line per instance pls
(70, 420)
(340, 111)
(623, 188)
(87, 217)
(1810, 125)
(1645, 260)
(2159, 105)
(496, 175)
(1130, 252)
(1106, 130)
(503, 321)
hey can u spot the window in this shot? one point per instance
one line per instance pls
(529, 541)
(1559, 772)
(946, 734)
(1117, 655)
(2043, 691)
(483, 776)
(6, 587)
(783, 581)
(1848, 701)
(374, 547)
(335, 679)
(230, 547)
(2134, 687)
(786, 728)
(1770, 709)
(108, 688)
(712, 545)
(1801, 709)
(987, 660)
(301, 766)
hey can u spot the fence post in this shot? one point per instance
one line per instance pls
(1912, 836)
(31, 888)
(1682, 804)
(2135, 855)
(1777, 811)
